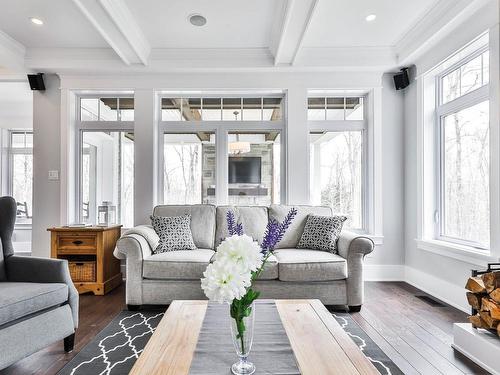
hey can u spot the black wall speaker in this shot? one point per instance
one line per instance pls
(402, 80)
(36, 81)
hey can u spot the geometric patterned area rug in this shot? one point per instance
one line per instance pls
(116, 348)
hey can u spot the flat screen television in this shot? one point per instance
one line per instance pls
(244, 170)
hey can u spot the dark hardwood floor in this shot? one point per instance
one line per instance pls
(415, 334)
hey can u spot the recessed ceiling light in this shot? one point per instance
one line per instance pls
(371, 17)
(197, 20)
(36, 21)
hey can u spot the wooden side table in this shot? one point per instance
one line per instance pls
(89, 252)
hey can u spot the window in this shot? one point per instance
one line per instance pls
(105, 139)
(336, 173)
(462, 134)
(107, 109)
(189, 168)
(335, 108)
(21, 174)
(222, 109)
(222, 149)
(107, 175)
(337, 146)
(254, 165)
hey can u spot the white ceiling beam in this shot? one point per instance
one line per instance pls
(11, 54)
(116, 24)
(296, 17)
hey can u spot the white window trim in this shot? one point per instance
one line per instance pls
(371, 159)
(92, 126)
(222, 129)
(426, 157)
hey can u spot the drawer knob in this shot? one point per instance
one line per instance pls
(77, 242)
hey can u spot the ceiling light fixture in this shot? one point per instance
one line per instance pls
(36, 21)
(370, 17)
(197, 20)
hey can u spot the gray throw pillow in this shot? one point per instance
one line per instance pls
(321, 233)
(174, 232)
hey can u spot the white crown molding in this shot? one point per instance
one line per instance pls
(116, 24)
(11, 53)
(295, 20)
(434, 26)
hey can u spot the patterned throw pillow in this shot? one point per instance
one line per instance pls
(321, 233)
(174, 232)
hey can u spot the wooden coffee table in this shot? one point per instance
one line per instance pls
(319, 343)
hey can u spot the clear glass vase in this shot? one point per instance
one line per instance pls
(242, 336)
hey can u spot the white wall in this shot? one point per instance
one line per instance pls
(443, 276)
(46, 156)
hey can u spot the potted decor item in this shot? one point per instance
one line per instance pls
(238, 262)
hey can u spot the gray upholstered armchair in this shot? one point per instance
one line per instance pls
(38, 301)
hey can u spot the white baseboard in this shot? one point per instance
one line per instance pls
(384, 272)
(452, 294)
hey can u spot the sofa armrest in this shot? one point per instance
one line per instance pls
(43, 270)
(134, 248)
(350, 243)
(353, 247)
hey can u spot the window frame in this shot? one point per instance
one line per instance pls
(10, 169)
(317, 126)
(93, 126)
(222, 128)
(442, 110)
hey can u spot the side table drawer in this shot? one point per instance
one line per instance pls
(71, 243)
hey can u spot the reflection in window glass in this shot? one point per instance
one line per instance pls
(231, 109)
(336, 173)
(211, 110)
(191, 109)
(189, 168)
(271, 109)
(21, 174)
(354, 108)
(316, 108)
(335, 108)
(89, 110)
(107, 175)
(465, 180)
(252, 109)
(127, 109)
(170, 109)
(108, 109)
(254, 167)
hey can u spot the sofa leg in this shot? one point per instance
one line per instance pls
(356, 308)
(133, 307)
(69, 343)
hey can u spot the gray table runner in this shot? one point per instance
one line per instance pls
(271, 351)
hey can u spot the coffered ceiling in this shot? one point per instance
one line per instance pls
(81, 36)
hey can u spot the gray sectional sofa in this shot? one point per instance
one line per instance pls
(335, 279)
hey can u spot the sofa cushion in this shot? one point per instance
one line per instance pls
(270, 271)
(310, 265)
(177, 265)
(202, 221)
(253, 219)
(3, 275)
(321, 233)
(174, 233)
(21, 299)
(294, 232)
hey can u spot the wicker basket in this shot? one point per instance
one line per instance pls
(82, 270)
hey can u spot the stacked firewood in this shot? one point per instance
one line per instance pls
(484, 297)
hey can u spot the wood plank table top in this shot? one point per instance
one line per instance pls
(319, 343)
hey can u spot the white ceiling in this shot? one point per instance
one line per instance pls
(230, 23)
(342, 23)
(64, 25)
(155, 35)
